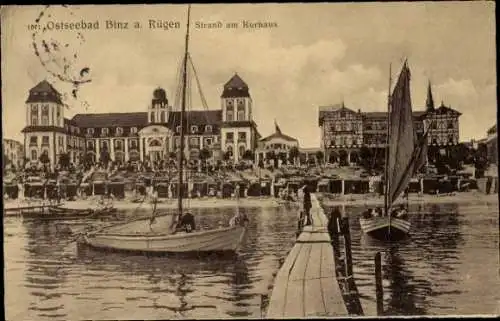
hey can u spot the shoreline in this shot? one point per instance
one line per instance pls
(473, 197)
(326, 200)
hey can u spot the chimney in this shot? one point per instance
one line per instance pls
(359, 111)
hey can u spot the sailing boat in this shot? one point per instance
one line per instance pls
(404, 156)
(160, 233)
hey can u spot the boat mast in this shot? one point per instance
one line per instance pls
(183, 110)
(386, 173)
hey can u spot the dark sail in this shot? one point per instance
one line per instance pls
(401, 158)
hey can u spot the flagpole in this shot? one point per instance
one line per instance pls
(386, 173)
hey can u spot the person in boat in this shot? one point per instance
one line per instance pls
(307, 204)
(239, 219)
(186, 223)
(368, 213)
(401, 212)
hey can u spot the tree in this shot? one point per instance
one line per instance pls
(294, 153)
(367, 158)
(5, 160)
(248, 155)
(320, 156)
(64, 160)
(105, 158)
(44, 159)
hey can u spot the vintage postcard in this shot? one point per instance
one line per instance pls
(214, 161)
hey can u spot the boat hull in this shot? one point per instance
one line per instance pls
(222, 240)
(381, 228)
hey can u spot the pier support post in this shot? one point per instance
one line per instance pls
(346, 231)
(378, 284)
(334, 230)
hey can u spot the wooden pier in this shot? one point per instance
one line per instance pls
(307, 284)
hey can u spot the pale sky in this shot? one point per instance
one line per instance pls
(320, 54)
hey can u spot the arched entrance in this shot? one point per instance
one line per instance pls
(155, 148)
(343, 157)
(333, 157)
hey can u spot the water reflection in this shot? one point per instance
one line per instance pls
(424, 274)
(68, 282)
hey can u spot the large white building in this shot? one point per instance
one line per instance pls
(153, 134)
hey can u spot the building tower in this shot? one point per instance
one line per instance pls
(158, 111)
(44, 133)
(429, 102)
(238, 130)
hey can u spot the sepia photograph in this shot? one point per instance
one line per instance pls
(236, 161)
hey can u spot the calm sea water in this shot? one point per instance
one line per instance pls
(448, 266)
(47, 278)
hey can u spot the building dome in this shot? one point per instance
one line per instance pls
(159, 94)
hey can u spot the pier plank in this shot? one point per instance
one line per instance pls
(294, 299)
(313, 306)
(299, 268)
(327, 261)
(306, 285)
(277, 301)
(313, 270)
(332, 297)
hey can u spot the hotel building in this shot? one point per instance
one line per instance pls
(344, 131)
(153, 134)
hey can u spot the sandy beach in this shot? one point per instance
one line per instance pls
(473, 197)
(172, 203)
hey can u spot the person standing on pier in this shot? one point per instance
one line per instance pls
(307, 204)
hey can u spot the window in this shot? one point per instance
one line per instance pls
(242, 150)
(434, 141)
(152, 117)
(433, 125)
(162, 117)
(133, 144)
(241, 109)
(104, 145)
(133, 130)
(90, 131)
(178, 129)
(34, 120)
(208, 128)
(229, 137)
(45, 140)
(33, 155)
(229, 110)
(242, 136)
(104, 132)
(194, 129)
(118, 144)
(208, 141)
(369, 127)
(194, 142)
(342, 114)
(450, 139)
(177, 142)
(119, 131)
(33, 141)
(230, 150)
(451, 124)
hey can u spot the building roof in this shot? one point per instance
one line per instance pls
(445, 110)
(383, 114)
(110, 120)
(196, 117)
(44, 92)
(235, 87)
(492, 130)
(278, 135)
